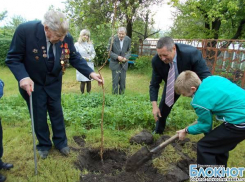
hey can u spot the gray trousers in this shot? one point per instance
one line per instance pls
(118, 81)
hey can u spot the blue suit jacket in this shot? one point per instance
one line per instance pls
(26, 59)
(188, 58)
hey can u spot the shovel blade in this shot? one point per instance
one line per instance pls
(138, 159)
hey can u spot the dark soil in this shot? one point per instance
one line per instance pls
(112, 168)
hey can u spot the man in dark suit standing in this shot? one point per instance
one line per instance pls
(38, 56)
(170, 61)
(120, 53)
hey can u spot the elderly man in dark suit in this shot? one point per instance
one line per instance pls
(38, 56)
(170, 61)
(120, 53)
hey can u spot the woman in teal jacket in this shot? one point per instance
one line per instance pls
(217, 96)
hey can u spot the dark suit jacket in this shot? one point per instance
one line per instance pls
(26, 58)
(188, 58)
(116, 51)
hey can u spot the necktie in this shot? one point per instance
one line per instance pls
(50, 58)
(169, 99)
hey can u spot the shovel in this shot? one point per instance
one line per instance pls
(144, 155)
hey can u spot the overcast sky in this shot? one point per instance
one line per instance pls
(35, 9)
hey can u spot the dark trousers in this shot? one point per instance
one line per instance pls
(165, 110)
(1, 142)
(43, 103)
(214, 147)
(82, 86)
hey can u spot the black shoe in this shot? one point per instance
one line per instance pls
(6, 166)
(2, 178)
(43, 153)
(65, 151)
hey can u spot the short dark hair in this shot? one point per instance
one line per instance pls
(167, 42)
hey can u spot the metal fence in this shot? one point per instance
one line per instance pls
(224, 57)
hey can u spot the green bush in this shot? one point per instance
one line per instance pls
(4, 47)
(143, 63)
(101, 54)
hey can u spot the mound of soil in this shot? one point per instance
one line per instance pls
(112, 168)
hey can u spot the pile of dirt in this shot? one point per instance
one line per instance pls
(112, 168)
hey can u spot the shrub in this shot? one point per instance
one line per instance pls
(143, 64)
(4, 47)
(101, 54)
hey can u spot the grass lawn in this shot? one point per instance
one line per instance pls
(17, 135)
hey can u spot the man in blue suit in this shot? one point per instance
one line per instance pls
(38, 56)
(183, 57)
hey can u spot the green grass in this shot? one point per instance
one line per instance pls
(135, 83)
(82, 117)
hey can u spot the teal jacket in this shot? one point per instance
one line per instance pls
(217, 96)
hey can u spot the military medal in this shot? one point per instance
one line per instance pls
(35, 51)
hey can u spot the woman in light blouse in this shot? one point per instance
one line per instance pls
(86, 49)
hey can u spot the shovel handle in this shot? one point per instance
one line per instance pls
(165, 143)
(168, 141)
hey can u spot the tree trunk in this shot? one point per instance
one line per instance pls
(129, 28)
(216, 26)
(146, 25)
(239, 30)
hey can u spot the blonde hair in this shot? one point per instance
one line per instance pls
(56, 21)
(185, 81)
(84, 32)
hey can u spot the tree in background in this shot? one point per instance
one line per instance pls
(3, 15)
(96, 15)
(131, 10)
(16, 21)
(209, 19)
(146, 24)
(9, 29)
